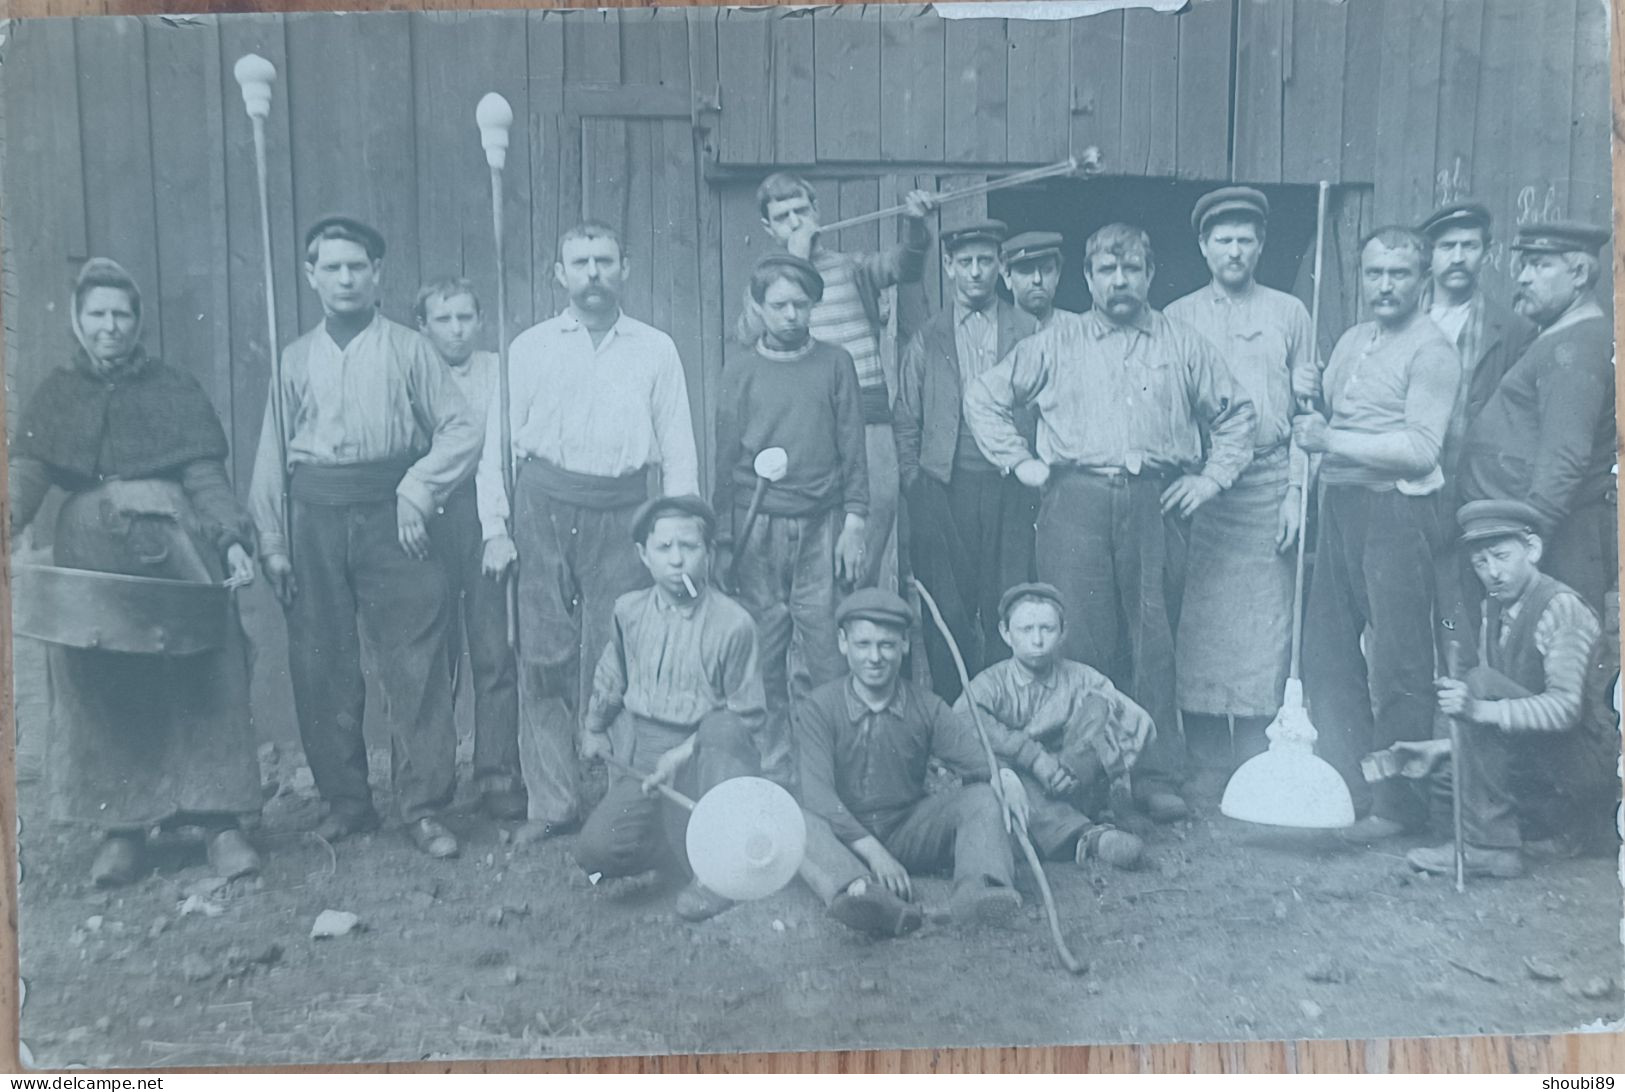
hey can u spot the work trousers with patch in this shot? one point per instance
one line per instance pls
(960, 829)
(880, 527)
(786, 576)
(574, 562)
(969, 540)
(481, 605)
(1374, 567)
(1118, 562)
(354, 579)
(631, 831)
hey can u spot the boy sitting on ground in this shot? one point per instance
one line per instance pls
(677, 696)
(1070, 735)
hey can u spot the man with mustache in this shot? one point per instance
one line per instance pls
(596, 399)
(1235, 620)
(1032, 273)
(1123, 396)
(376, 438)
(1547, 435)
(971, 527)
(1389, 386)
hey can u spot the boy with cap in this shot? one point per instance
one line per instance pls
(1547, 435)
(1070, 735)
(449, 315)
(849, 315)
(864, 745)
(677, 696)
(971, 528)
(1235, 619)
(1032, 273)
(376, 437)
(1528, 756)
(799, 394)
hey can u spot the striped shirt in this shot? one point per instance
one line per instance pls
(1565, 636)
(841, 319)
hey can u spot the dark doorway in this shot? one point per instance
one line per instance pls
(1163, 208)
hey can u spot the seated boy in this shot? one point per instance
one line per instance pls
(677, 696)
(865, 742)
(1069, 734)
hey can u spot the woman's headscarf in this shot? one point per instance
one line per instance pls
(105, 273)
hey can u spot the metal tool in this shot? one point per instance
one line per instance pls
(771, 465)
(115, 612)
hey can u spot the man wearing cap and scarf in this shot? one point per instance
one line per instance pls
(376, 437)
(1530, 764)
(1389, 386)
(1235, 620)
(1032, 272)
(676, 696)
(1139, 425)
(801, 395)
(596, 399)
(971, 528)
(1547, 434)
(864, 745)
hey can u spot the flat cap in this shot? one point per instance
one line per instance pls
(985, 231)
(783, 261)
(1460, 214)
(1229, 199)
(875, 605)
(1561, 237)
(371, 238)
(1482, 519)
(1030, 245)
(643, 520)
(1030, 590)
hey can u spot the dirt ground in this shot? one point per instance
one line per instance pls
(1233, 932)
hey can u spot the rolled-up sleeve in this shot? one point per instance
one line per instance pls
(991, 402)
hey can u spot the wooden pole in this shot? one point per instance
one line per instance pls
(494, 117)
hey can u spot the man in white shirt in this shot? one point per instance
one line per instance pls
(596, 399)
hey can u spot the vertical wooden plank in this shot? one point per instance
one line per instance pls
(545, 95)
(1150, 92)
(1362, 64)
(638, 227)
(966, 210)
(1458, 100)
(687, 259)
(341, 155)
(1040, 66)
(245, 267)
(795, 76)
(1589, 169)
(911, 58)
(494, 43)
(847, 44)
(1312, 110)
(975, 90)
(914, 301)
(858, 196)
(744, 64)
(1259, 77)
(1097, 86)
(1407, 109)
(605, 171)
(440, 64)
(188, 139)
(568, 191)
(592, 47)
(1203, 137)
(121, 217)
(1539, 159)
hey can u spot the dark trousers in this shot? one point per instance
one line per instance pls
(969, 541)
(1103, 541)
(1543, 784)
(574, 562)
(1374, 567)
(481, 604)
(1583, 552)
(630, 831)
(960, 829)
(354, 578)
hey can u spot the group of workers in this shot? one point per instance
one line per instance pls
(1101, 508)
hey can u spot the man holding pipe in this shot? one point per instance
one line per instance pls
(597, 398)
(1124, 396)
(377, 438)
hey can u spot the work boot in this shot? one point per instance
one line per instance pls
(118, 861)
(1503, 864)
(504, 804)
(1116, 847)
(697, 903)
(231, 856)
(1164, 805)
(984, 904)
(343, 822)
(870, 908)
(1373, 828)
(1126, 815)
(430, 836)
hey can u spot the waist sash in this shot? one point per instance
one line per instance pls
(585, 490)
(354, 483)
